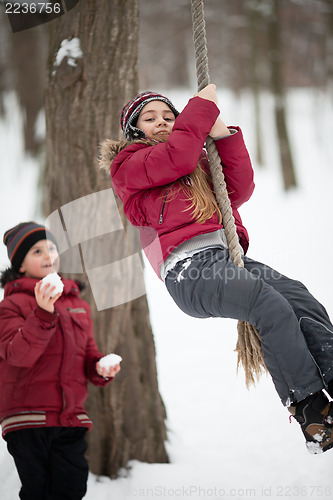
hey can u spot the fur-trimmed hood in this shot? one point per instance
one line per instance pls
(109, 149)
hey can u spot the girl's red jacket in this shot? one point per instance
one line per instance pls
(46, 359)
(144, 178)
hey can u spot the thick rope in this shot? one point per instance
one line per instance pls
(248, 346)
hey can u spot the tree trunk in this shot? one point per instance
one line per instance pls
(329, 45)
(22, 63)
(278, 87)
(84, 95)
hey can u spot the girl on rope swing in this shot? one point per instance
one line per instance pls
(161, 174)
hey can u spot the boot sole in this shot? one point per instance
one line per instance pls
(316, 443)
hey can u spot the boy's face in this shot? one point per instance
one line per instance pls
(156, 120)
(41, 259)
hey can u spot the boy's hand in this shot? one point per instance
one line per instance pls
(43, 297)
(208, 92)
(109, 372)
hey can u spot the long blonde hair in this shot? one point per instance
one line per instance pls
(197, 189)
(197, 186)
(201, 196)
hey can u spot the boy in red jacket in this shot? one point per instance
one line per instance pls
(161, 174)
(47, 357)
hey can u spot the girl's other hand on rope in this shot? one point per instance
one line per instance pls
(208, 92)
(219, 130)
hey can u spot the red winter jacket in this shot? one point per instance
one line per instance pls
(143, 177)
(46, 359)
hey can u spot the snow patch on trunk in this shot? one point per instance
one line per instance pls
(70, 49)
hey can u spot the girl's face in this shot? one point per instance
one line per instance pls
(41, 259)
(156, 120)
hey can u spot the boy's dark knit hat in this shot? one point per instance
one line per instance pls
(21, 238)
(131, 110)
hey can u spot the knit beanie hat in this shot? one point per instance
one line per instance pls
(131, 110)
(21, 238)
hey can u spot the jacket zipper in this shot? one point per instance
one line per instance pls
(163, 205)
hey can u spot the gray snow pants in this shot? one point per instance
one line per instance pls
(295, 330)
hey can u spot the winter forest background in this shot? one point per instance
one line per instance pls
(179, 421)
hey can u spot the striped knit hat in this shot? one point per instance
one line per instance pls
(21, 238)
(131, 110)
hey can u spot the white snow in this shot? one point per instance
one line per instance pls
(18, 173)
(53, 279)
(185, 265)
(314, 448)
(70, 49)
(318, 437)
(223, 440)
(110, 360)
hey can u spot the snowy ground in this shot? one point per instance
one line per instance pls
(223, 441)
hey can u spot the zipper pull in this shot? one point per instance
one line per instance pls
(163, 205)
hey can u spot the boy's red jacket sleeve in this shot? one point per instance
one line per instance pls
(23, 341)
(93, 355)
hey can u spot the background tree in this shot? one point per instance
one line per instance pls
(254, 23)
(328, 43)
(83, 99)
(279, 91)
(22, 64)
(165, 44)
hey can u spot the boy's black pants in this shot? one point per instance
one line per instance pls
(50, 462)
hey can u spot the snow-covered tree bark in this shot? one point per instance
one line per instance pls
(84, 94)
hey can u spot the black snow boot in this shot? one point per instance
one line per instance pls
(315, 416)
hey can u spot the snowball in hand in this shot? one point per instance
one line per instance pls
(54, 280)
(109, 360)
